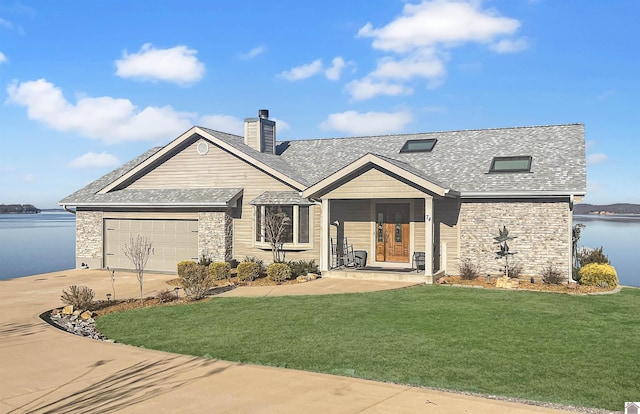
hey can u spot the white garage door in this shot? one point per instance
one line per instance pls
(173, 241)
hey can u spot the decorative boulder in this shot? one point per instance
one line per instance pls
(67, 310)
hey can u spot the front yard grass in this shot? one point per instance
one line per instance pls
(576, 350)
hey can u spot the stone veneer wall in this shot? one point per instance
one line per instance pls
(542, 230)
(215, 235)
(89, 240)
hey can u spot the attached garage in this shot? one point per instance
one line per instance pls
(173, 241)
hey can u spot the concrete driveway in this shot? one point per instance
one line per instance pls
(45, 370)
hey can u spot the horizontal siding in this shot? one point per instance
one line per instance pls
(373, 184)
(355, 222)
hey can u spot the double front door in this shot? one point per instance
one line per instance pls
(392, 232)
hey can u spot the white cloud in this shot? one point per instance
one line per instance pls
(334, 72)
(281, 125)
(109, 119)
(421, 36)
(606, 95)
(431, 23)
(5, 24)
(509, 45)
(256, 51)
(93, 160)
(597, 158)
(178, 65)
(3, 58)
(224, 123)
(367, 88)
(303, 71)
(369, 123)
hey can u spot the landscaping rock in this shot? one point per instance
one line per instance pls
(442, 281)
(86, 315)
(67, 310)
(303, 279)
(81, 325)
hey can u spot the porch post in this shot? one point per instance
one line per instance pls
(428, 240)
(324, 236)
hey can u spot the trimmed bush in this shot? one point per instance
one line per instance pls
(551, 275)
(195, 281)
(182, 265)
(254, 259)
(204, 260)
(598, 274)
(279, 272)
(302, 267)
(248, 271)
(587, 256)
(80, 297)
(219, 270)
(468, 271)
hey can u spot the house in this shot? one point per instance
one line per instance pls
(441, 194)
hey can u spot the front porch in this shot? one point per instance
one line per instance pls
(380, 274)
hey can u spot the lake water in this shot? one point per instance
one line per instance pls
(40, 243)
(36, 243)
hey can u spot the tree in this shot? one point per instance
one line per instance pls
(276, 225)
(138, 250)
(501, 241)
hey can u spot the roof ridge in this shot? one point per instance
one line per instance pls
(435, 132)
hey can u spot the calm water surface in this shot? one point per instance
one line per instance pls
(45, 242)
(36, 243)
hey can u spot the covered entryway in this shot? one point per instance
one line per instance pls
(173, 241)
(393, 238)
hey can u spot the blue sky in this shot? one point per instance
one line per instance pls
(89, 85)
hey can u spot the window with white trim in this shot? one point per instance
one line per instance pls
(297, 232)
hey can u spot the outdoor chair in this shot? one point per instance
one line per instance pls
(418, 260)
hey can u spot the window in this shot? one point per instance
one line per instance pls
(511, 164)
(296, 231)
(419, 145)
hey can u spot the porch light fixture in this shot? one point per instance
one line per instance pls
(176, 289)
(108, 297)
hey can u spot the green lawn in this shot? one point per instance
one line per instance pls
(580, 350)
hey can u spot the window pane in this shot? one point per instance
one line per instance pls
(303, 224)
(258, 223)
(511, 164)
(273, 223)
(419, 145)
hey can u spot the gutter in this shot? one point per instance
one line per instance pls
(64, 206)
(520, 194)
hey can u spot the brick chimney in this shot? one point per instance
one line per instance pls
(260, 132)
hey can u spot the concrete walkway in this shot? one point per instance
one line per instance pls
(45, 370)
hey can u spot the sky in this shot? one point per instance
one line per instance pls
(86, 86)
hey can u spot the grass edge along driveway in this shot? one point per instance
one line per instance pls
(578, 350)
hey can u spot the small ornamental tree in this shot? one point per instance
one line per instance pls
(576, 232)
(504, 252)
(276, 225)
(138, 249)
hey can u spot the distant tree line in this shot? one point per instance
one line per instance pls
(18, 209)
(620, 208)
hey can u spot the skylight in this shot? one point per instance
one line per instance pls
(511, 164)
(419, 145)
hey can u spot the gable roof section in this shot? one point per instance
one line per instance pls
(394, 166)
(165, 197)
(461, 159)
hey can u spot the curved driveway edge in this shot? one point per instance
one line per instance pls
(43, 369)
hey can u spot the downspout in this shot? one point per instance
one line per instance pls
(571, 199)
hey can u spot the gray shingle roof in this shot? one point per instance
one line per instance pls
(280, 197)
(459, 161)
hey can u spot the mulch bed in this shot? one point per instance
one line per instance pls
(525, 284)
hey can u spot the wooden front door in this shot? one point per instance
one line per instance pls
(392, 232)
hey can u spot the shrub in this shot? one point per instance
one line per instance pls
(515, 270)
(80, 297)
(166, 295)
(204, 260)
(551, 275)
(302, 267)
(254, 259)
(195, 281)
(182, 265)
(468, 270)
(587, 256)
(279, 272)
(219, 270)
(598, 274)
(248, 271)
